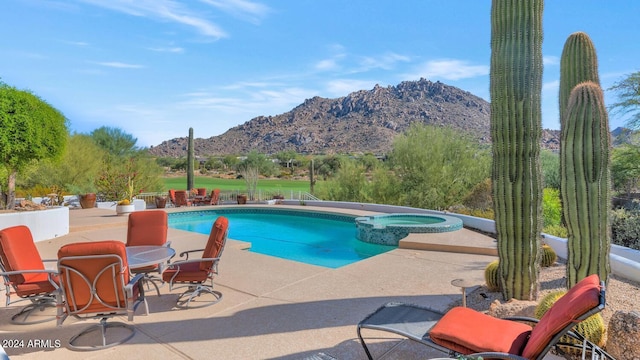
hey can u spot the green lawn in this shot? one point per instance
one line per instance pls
(180, 183)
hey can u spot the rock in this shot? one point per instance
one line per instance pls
(623, 341)
(512, 307)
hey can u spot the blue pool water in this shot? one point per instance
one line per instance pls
(314, 238)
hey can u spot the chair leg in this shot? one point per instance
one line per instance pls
(197, 291)
(102, 327)
(39, 304)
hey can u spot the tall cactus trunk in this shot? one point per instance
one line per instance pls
(585, 181)
(312, 177)
(578, 63)
(190, 162)
(516, 129)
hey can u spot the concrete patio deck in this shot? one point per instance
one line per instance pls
(271, 309)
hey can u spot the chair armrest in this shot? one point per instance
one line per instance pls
(522, 319)
(49, 272)
(133, 282)
(182, 262)
(186, 253)
(18, 272)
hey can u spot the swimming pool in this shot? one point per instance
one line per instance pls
(316, 238)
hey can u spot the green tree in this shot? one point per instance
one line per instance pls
(550, 165)
(114, 141)
(437, 167)
(628, 92)
(348, 184)
(625, 168)
(30, 129)
(77, 170)
(252, 167)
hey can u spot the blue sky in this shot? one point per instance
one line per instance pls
(154, 68)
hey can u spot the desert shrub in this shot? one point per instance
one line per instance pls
(556, 230)
(480, 196)
(625, 228)
(551, 207)
(463, 210)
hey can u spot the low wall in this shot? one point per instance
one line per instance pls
(625, 262)
(44, 224)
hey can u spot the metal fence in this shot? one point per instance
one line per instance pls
(231, 196)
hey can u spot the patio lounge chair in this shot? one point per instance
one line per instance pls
(25, 276)
(194, 273)
(146, 228)
(95, 284)
(462, 331)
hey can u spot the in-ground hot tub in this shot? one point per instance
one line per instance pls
(388, 229)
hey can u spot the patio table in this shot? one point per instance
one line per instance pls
(141, 256)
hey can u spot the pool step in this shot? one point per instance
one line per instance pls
(460, 241)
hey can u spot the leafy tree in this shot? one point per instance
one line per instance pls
(349, 183)
(115, 141)
(369, 161)
(77, 170)
(625, 168)
(251, 167)
(550, 165)
(30, 129)
(437, 166)
(628, 91)
(230, 161)
(328, 166)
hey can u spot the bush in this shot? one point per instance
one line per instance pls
(625, 228)
(551, 207)
(556, 230)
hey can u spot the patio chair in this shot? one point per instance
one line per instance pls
(182, 199)
(25, 275)
(172, 197)
(194, 274)
(148, 228)
(214, 198)
(95, 284)
(463, 331)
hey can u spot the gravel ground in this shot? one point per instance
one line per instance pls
(622, 294)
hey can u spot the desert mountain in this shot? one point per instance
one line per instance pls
(364, 121)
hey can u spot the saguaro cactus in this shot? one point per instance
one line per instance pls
(585, 180)
(578, 63)
(190, 161)
(516, 128)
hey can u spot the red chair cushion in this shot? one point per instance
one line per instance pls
(581, 298)
(73, 284)
(216, 241)
(468, 331)
(147, 227)
(19, 252)
(187, 273)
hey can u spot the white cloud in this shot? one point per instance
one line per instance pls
(342, 87)
(120, 65)
(450, 69)
(175, 49)
(247, 10)
(326, 65)
(550, 60)
(162, 10)
(386, 61)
